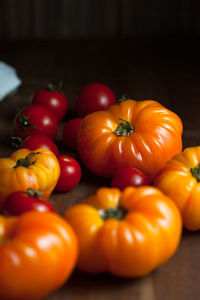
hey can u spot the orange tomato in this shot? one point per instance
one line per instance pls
(180, 180)
(25, 169)
(125, 233)
(38, 252)
(140, 134)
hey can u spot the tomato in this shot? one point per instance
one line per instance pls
(35, 119)
(22, 201)
(127, 233)
(25, 169)
(139, 134)
(70, 132)
(94, 97)
(180, 180)
(129, 177)
(53, 99)
(38, 252)
(35, 141)
(70, 173)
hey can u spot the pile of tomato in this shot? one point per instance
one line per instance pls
(127, 229)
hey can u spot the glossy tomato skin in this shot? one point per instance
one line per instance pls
(55, 101)
(70, 133)
(70, 173)
(139, 134)
(39, 257)
(129, 177)
(94, 97)
(20, 202)
(35, 119)
(127, 233)
(36, 141)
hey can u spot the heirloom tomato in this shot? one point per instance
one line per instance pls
(38, 252)
(139, 134)
(70, 133)
(70, 173)
(35, 119)
(127, 233)
(180, 180)
(36, 141)
(23, 201)
(93, 97)
(53, 99)
(129, 177)
(25, 169)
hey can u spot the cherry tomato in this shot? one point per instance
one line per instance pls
(93, 97)
(129, 177)
(19, 202)
(35, 119)
(53, 99)
(70, 132)
(70, 173)
(37, 141)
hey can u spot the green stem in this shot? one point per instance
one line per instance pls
(124, 128)
(55, 88)
(113, 213)
(196, 172)
(26, 162)
(34, 193)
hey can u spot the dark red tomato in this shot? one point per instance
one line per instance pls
(19, 202)
(53, 99)
(94, 97)
(70, 132)
(129, 177)
(35, 119)
(70, 174)
(36, 141)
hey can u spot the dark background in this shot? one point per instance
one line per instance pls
(63, 19)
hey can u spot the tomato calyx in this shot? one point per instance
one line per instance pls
(123, 98)
(124, 128)
(33, 193)
(117, 213)
(196, 172)
(26, 162)
(16, 142)
(55, 88)
(24, 121)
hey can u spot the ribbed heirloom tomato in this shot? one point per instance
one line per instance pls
(25, 169)
(180, 180)
(38, 252)
(127, 234)
(140, 134)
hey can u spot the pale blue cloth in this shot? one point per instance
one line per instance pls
(9, 81)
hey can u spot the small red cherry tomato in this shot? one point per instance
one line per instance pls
(35, 119)
(35, 141)
(53, 99)
(70, 174)
(70, 132)
(19, 202)
(94, 97)
(129, 177)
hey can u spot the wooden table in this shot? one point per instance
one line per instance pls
(165, 70)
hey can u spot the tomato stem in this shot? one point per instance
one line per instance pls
(124, 128)
(26, 162)
(196, 172)
(113, 213)
(34, 193)
(16, 141)
(54, 88)
(123, 98)
(24, 121)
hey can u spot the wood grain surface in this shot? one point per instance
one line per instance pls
(165, 70)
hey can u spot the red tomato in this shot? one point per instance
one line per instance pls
(129, 177)
(53, 99)
(37, 141)
(19, 202)
(35, 119)
(70, 173)
(93, 97)
(70, 132)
